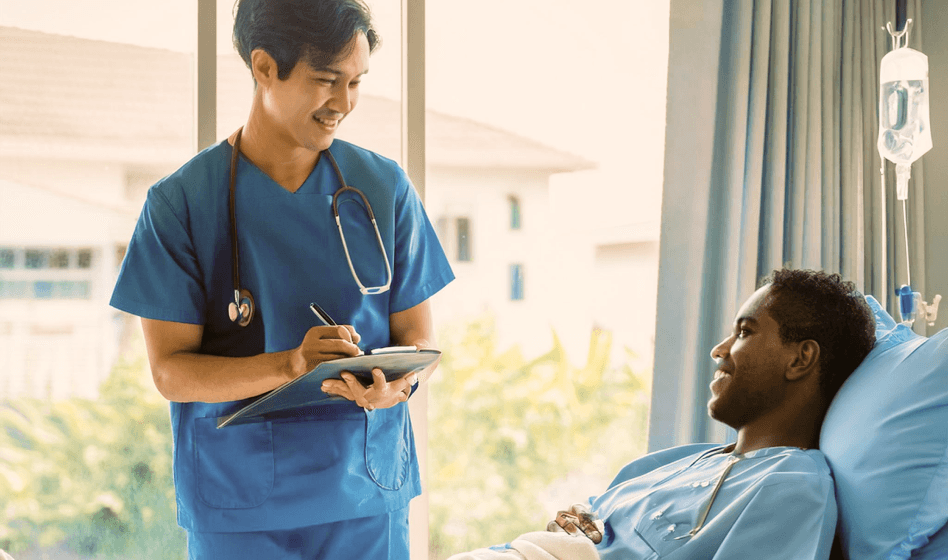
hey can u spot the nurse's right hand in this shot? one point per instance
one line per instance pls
(322, 344)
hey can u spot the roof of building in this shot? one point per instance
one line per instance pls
(70, 98)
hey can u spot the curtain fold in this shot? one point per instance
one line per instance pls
(770, 160)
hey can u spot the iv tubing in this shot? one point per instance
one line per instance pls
(885, 238)
(908, 269)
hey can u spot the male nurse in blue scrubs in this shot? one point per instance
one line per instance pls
(327, 481)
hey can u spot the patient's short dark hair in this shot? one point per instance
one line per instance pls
(814, 305)
(317, 31)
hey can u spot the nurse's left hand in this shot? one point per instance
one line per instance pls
(381, 394)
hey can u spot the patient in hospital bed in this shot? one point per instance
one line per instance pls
(768, 495)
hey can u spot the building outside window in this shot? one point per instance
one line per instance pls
(45, 274)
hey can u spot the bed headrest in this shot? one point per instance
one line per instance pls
(886, 438)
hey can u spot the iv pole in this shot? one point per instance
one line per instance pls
(910, 303)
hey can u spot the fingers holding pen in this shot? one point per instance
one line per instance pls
(325, 343)
(341, 332)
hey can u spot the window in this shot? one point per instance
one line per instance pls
(36, 259)
(463, 230)
(7, 258)
(475, 131)
(516, 282)
(88, 100)
(59, 259)
(514, 212)
(492, 158)
(84, 258)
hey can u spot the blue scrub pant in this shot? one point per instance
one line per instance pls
(379, 538)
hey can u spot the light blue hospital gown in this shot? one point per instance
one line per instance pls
(777, 503)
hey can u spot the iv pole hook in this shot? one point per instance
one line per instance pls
(897, 35)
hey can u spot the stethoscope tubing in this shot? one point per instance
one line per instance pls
(232, 203)
(242, 309)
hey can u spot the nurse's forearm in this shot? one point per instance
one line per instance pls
(190, 377)
(182, 374)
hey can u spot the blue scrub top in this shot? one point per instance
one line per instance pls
(315, 466)
(777, 503)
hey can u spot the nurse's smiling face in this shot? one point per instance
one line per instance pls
(307, 108)
(750, 381)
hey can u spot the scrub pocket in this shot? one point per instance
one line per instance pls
(233, 465)
(388, 446)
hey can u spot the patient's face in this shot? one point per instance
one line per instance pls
(749, 382)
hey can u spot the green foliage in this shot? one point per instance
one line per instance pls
(93, 477)
(504, 429)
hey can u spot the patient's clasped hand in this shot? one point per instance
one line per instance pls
(769, 495)
(578, 520)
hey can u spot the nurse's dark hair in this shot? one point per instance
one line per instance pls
(814, 305)
(316, 31)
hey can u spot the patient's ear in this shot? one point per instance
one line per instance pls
(806, 360)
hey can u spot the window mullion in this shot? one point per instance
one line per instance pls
(205, 101)
(413, 159)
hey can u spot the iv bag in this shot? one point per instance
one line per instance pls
(904, 134)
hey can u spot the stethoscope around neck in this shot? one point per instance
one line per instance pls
(241, 310)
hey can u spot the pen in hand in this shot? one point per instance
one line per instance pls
(323, 316)
(327, 320)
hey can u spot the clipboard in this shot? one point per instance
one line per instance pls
(306, 390)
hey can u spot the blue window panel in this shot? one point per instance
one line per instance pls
(7, 258)
(43, 290)
(516, 282)
(514, 212)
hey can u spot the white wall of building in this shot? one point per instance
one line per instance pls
(483, 285)
(59, 347)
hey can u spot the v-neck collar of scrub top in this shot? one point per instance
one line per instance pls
(271, 188)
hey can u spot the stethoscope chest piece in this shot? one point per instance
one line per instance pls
(241, 309)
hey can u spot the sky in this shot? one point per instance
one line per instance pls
(587, 81)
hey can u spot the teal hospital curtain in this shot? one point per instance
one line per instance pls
(770, 160)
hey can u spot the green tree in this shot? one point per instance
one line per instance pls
(503, 429)
(90, 476)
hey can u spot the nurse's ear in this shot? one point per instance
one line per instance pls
(263, 67)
